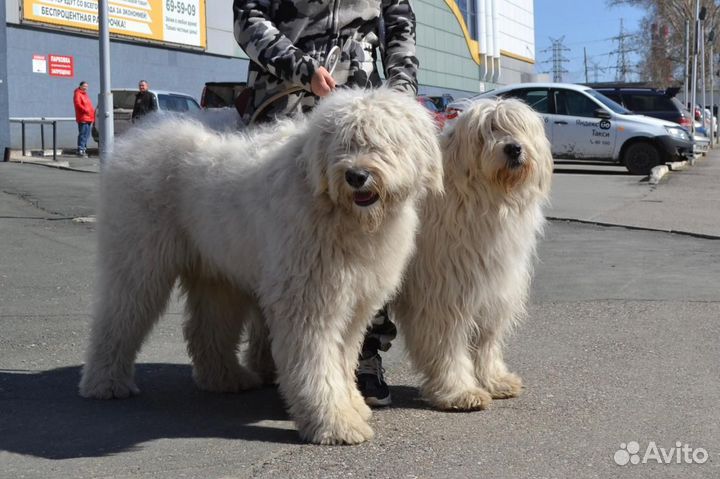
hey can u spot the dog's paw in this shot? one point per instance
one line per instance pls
(231, 380)
(107, 388)
(361, 406)
(504, 387)
(344, 429)
(473, 399)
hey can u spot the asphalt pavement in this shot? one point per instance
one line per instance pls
(620, 350)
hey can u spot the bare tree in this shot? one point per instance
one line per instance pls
(662, 39)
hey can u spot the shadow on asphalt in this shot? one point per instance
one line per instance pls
(578, 167)
(41, 414)
(569, 171)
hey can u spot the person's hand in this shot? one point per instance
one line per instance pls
(322, 82)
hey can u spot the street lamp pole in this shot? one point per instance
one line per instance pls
(693, 80)
(703, 84)
(711, 40)
(686, 79)
(107, 132)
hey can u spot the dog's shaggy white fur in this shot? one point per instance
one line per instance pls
(468, 283)
(307, 223)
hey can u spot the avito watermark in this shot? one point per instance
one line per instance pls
(679, 454)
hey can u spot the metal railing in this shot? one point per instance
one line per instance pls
(42, 121)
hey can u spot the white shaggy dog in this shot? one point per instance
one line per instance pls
(308, 223)
(468, 283)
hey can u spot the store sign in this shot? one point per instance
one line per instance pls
(172, 21)
(39, 64)
(61, 66)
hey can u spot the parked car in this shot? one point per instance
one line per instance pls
(652, 102)
(124, 100)
(221, 94)
(430, 105)
(583, 124)
(441, 101)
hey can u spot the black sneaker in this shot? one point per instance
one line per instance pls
(371, 382)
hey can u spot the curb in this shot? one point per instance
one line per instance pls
(632, 227)
(678, 165)
(59, 165)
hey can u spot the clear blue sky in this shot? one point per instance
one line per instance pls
(584, 23)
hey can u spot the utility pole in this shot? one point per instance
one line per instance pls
(557, 48)
(586, 69)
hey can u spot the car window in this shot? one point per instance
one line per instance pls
(614, 96)
(573, 103)
(679, 105)
(640, 102)
(537, 99)
(608, 102)
(177, 103)
(428, 103)
(123, 99)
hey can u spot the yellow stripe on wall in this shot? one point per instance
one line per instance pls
(473, 45)
(515, 56)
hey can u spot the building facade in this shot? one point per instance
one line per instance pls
(48, 46)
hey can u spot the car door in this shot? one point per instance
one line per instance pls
(577, 133)
(539, 100)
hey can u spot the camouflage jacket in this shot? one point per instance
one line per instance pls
(288, 40)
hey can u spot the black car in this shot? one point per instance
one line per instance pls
(652, 102)
(441, 101)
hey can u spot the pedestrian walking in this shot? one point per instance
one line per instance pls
(84, 116)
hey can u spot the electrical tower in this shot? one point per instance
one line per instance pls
(558, 59)
(596, 69)
(622, 67)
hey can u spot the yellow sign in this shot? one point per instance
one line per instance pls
(172, 21)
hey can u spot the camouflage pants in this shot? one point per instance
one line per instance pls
(379, 335)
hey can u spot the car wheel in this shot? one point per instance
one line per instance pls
(641, 157)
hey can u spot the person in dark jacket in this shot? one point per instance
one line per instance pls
(300, 51)
(84, 116)
(144, 101)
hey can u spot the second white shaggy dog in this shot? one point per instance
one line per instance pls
(308, 223)
(469, 280)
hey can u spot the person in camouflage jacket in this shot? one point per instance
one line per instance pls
(289, 43)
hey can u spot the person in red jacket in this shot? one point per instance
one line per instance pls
(84, 116)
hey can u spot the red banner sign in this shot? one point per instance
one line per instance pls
(61, 66)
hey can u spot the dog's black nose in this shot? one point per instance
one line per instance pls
(356, 178)
(513, 150)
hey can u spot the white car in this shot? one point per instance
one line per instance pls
(124, 101)
(583, 124)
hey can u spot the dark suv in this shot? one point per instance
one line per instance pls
(652, 102)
